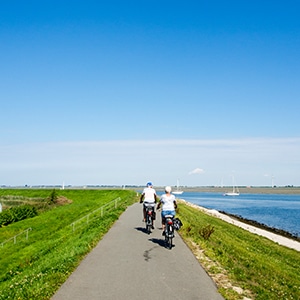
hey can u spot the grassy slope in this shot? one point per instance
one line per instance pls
(233, 257)
(263, 269)
(35, 268)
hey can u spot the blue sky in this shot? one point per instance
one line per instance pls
(122, 92)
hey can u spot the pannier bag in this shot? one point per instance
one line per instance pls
(177, 223)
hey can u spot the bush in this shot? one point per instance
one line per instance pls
(6, 217)
(16, 214)
(206, 231)
(53, 197)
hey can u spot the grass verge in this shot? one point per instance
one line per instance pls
(34, 268)
(241, 263)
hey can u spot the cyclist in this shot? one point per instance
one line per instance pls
(150, 198)
(168, 202)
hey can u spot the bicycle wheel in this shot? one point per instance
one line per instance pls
(168, 238)
(166, 241)
(148, 224)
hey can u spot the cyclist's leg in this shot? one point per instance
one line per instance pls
(144, 212)
(163, 221)
(153, 212)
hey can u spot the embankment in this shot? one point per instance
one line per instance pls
(277, 237)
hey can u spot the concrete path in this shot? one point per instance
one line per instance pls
(130, 264)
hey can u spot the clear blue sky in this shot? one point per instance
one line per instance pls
(122, 92)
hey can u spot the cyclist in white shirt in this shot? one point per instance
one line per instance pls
(149, 197)
(168, 202)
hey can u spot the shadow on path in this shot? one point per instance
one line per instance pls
(160, 242)
(142, 229)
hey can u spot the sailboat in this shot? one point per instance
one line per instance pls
(235, 190)
(178, 191)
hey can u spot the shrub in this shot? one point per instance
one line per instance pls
(6, 217)
(206, 231)
(53, 197)
(16, 214)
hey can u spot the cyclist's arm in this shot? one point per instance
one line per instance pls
(158, 205)
(141, 198)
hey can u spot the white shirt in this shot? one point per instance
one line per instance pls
(167, 202)
(149, 195)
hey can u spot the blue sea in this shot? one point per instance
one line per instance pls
(273, 210)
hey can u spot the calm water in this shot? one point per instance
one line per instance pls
(279, 211)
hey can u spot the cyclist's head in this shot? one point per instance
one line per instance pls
(149, 184)
(168, 189)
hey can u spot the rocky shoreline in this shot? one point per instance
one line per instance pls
(263, 226)
(254, 190)
(278, 236)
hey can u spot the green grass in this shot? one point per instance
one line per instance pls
(35, 268)
(262, 268)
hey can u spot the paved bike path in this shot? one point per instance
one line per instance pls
(130, 264)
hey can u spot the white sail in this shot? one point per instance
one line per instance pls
(178, 191)
(235, 190)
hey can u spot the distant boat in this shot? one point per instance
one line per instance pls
(178, 191)
(235, 190)
(233, 193)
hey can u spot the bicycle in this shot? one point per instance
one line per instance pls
(169, 231)
(150, 216)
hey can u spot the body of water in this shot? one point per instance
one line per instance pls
(273, 210)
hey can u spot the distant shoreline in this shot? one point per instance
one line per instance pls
(245, 190)
(222, 190)
(199, 189)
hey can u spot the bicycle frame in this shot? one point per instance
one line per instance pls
(149, 218)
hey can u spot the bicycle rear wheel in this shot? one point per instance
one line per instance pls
(169, 238)
(148, 224)
(169, 243)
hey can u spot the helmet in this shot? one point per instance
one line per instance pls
(149, 184)
(168, 189)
